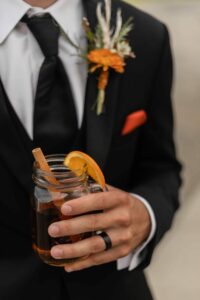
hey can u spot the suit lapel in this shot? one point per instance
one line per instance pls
(99, 128)
(11, 143)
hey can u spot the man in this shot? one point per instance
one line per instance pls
(140, 166)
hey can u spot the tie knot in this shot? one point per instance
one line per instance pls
(46, 31)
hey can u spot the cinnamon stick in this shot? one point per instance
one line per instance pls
(43, 165)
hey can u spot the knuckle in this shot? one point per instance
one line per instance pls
(124, 251)
(95, 260)
(124, 219)
(126, 237)
(93, 223)
(96, 245)
(102, 201)
(124, 199)
(68, 227)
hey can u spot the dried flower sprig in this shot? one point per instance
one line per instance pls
(107, 47)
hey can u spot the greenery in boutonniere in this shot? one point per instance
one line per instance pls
(107, 48)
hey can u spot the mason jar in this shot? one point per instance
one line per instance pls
(51, 191)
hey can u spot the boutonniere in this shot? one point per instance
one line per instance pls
(108, 48)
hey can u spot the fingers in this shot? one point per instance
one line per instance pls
(81, 224)
(89, 246)
(91, 202)
(79, 249)
(105, 202)
(116, 218)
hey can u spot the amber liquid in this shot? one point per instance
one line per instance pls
(42, 217)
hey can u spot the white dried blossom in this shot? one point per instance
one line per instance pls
(117, 29)
(104, 22)
(124, 49)
(108, 11)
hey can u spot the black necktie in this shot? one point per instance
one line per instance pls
(55, 123)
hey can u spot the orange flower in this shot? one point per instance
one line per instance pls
(106, 59)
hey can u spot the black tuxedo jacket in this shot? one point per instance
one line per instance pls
(142, 162)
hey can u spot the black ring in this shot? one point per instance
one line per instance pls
(106, 238)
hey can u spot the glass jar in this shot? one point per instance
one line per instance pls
(51, 191)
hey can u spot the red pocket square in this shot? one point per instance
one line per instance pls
(133, 121)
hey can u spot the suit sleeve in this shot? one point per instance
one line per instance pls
(157, 170)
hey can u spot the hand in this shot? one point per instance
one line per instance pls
(124, 218)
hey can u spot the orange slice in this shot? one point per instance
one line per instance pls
(79, 162)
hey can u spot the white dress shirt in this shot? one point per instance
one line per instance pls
(20, 62)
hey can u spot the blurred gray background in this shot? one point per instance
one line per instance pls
(174, 273)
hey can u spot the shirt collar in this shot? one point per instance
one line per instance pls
(11, 11)
(68, 14)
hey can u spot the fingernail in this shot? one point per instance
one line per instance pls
(57, 252)
(66, 209)
(53, 230)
